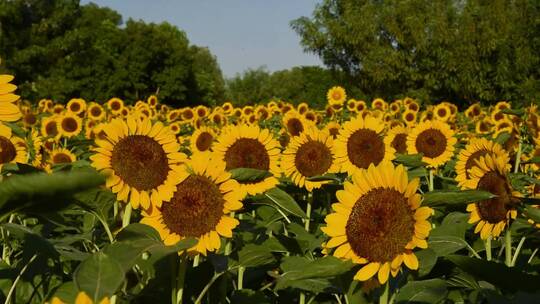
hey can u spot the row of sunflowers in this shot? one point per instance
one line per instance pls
(273, 203)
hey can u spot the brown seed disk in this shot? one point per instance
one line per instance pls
(431, 142)
(365, 147)
(204, 141)
(7, 150)
(400, 143)
(381, 223)
(195, 209)
(295, 126)
(61, 158)
(140, 162)
(51, 128)
(494, 210)
(69, 124)
(247, 153)
(313, 158)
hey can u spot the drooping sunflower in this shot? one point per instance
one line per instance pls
(61, 156)
(477, 148)
(295, 123)
(336, 96)
(8, 110)
(492, 215)
(200, 206)
(308, 155)
(76, 106)
(397, 139)
(95, 111)
(435, 140)
(50, 127)
(69, 124)
(201, 140)
(246, 146)
(115, 105)
(378, 222)
(12, 148)
(141, 159)
(360, 143)
(333, 128)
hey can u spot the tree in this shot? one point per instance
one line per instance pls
(462, 51)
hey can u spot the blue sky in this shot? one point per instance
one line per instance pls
(241, 33)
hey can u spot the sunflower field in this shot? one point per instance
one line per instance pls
(360, 202)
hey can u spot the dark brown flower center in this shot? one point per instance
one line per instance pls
(204, 141)
(30, 119)
(381, 223)
(7, 150)
(400, 143)
(494, 210)
(51, 128)
(247, 153)
(61, 158)
(195, 209)
(95, 111)
(431, 143)
(140, 162)
(295, 126)
(441, 112)
(115, 106)
(201, 112)
(187, 114)
(75, 107)
(365, 147)
(313, 158)
(69, 124)
(409, 117)
(334, 131)
(471, 161)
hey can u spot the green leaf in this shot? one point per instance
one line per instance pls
(428, 291)
(515, 112)
(67, 292)
(497, 274)
(533, 213)
(323, 178)
(33, 243)
(502, 138)
(99, 276)
(533, 160)
(417, 172)
(255, 255)
(285, 202)
(249, 175)
(438, 198)
(426, 261)
(445, 245)
(454, 224)
(411, 161)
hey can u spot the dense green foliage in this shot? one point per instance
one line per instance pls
(461, 51)
(59, 49)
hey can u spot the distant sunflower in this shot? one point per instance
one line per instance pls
(310, 116)
(12, 148)
(227, 107)
(435, 140)
(378, 222)
(360, 143)
(50, 127)
(29, 119)
(308, 155)
(70, 124)
(409, 117)
(245, 146)
(477, 148)
(397, 139)
(152, 101)
(200, 207)
(295, 123)
(61, 156)
(175, 127)
(332, 128)
(483, 126)
(336, 96)
(503, 105)
(380, 104)
(76, 106)
(412, 106)
(35, 146)
(302, 108)
(8, 110)
(492, 215)
(351, 105)
(442, 112)
(395, 107)
(142, 160)
(115, 105)
(360, 106)
(188, 114)
(201, 111)
(262, 112)
(95, 112)
(202, 139)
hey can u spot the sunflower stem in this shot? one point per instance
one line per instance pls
(518, 158)
(508, 248)
(302, 299)
(127, 215)
(23, 270)
(241, 277)
(518, 249)
(430, 184)
(308, 210)
(178, 278)
(488, 248)
(384, 297)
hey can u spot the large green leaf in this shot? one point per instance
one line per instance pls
(428, 291)
(99, 276)
(445, 245)
(412, 161)
(253, 255)
(426, 261)
(249, 175)
(285, 202)
(438, 198)
(497, 274)
(533, 213)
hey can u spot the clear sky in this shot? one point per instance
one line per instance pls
(241, 33)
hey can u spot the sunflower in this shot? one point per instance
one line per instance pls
(336, 96)
(201, 111)
(69, 125)
(332, 128)
(200, 206)
(202, 140)
(379, 103)
(473, 111)
(329, 111)
(308, 155)
(82, 298)
(413, 106)
(227, 107)
(95, 111)
(152, 101)
(409, 117)
(302, 108)
(378, 221)
(477, 148)
(61, 156)
(483, 126)
(12, 148)
(246, 146)
(9, 111)
(295, 123)
(311, 116)
(395, 107)
(76, 105)
(351, 105)
(218, 119)
(50, 127)
(141, 159)
(435, 140)
(492, 215)
(397, 139)
(262, 112)
(360, 106)
(188, 114)
(35, 146)
(502, 105)
(115, 105)
(29, 119)
(175, 127)
(360, 143)
(442, 112)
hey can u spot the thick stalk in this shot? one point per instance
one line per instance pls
(384, 297)
(308, 210)
(179, 279)
(508, 248)
(488, 248)
(430, 184)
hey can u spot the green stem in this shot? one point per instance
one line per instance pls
(178, 278)
(488, 248)
(532, 256)
(241, 277)
(430, 184)
(105, 226)
(5, 248)
(205, 289)
(508, 248)
(518, 158)
(302, 299)
(308, 210)
(23, 270)
(384, 297)
(127, 215)
(518, 249)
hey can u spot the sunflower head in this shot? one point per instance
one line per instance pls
(442, 112)
(61, 156)
(95, 111)
(69, 125)
(10, 111)
(295, 123)
(378, 222)
(12, 148)
(152, 101)
(115, 105)
(76, 106)
(336, 96)
(435, 140)
(397, 139)
(202, 139)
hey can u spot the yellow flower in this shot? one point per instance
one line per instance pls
(115, 105)
(70, 124)
(336, 96)
(378, 221)
(61, 156)
(200, 206)
(295, 123)
(8, 110)
(76, 105)
(435, 140)
(397, 139)
(12, 148)
(82, 298)
(202, 139)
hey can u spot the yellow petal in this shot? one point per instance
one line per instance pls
(367, 272)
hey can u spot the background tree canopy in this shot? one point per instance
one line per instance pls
(461, 51)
